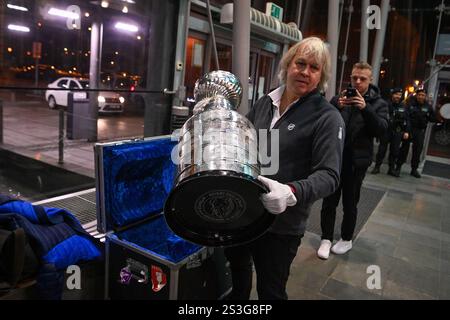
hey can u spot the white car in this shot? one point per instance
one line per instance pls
(108, 102)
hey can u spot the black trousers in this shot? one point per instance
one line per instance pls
(350, 188)
(394, 149)
(417, 139)
(272, 255)
(382, 148)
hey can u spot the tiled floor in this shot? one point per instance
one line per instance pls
(407, 237)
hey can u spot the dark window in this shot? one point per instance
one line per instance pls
(62, 83)
(84, 84)
(73, 85)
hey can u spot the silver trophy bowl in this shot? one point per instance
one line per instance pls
(215, 201)
(219, 83)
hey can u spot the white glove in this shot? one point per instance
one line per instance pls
(279, 197)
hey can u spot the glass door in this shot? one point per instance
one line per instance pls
(195, 57)
(265, 67)
(261, 65)
(439, 143)
(252, 78)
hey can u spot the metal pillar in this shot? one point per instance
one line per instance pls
(180, 54)
(379, 42)
(341, 13)
(241, 48)
(163, 17)
(364, 40)
(299, 13)
(94, 74)
(344, 55)
(213, 37)
(433, 63)
(61, 137)
(333, 40)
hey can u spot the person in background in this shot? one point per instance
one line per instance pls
(397, 124)
(420, 113)
(366, 117)
(401, 128)
(311, 139)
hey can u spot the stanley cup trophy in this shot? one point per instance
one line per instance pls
(215, 201)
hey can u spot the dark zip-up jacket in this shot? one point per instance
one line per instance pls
(398, 118)
(311, 140)
(419, 114)
(364, 125)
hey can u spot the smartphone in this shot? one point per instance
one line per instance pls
(350, 93)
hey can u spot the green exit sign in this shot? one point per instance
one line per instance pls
(274, 11)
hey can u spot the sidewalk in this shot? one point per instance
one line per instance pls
(32, 130)
(407, 237)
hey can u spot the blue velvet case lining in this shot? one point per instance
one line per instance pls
(156, 237)
(138, 178)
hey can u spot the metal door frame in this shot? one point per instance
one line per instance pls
(442, 77)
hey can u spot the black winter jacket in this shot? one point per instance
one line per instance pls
(364, 125)
(311, 140)
(419, 114)
(399, 118)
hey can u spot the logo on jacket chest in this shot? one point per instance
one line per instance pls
(291, 127)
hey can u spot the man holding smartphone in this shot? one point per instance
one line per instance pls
(365, 115)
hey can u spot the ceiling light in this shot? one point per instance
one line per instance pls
(14, 7)
(15, 27)
(63, 13)
(126, 27)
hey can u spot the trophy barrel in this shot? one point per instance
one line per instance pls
(216, 198)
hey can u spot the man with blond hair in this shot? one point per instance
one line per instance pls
(366, 116)
(311, 136)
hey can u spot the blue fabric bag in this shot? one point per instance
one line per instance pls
(56, 237)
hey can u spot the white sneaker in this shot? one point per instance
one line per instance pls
(324, 250)
(342, 247)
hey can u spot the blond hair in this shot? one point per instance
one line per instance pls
(308, 47)
(362, 65)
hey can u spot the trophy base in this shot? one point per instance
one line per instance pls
(218, 208)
